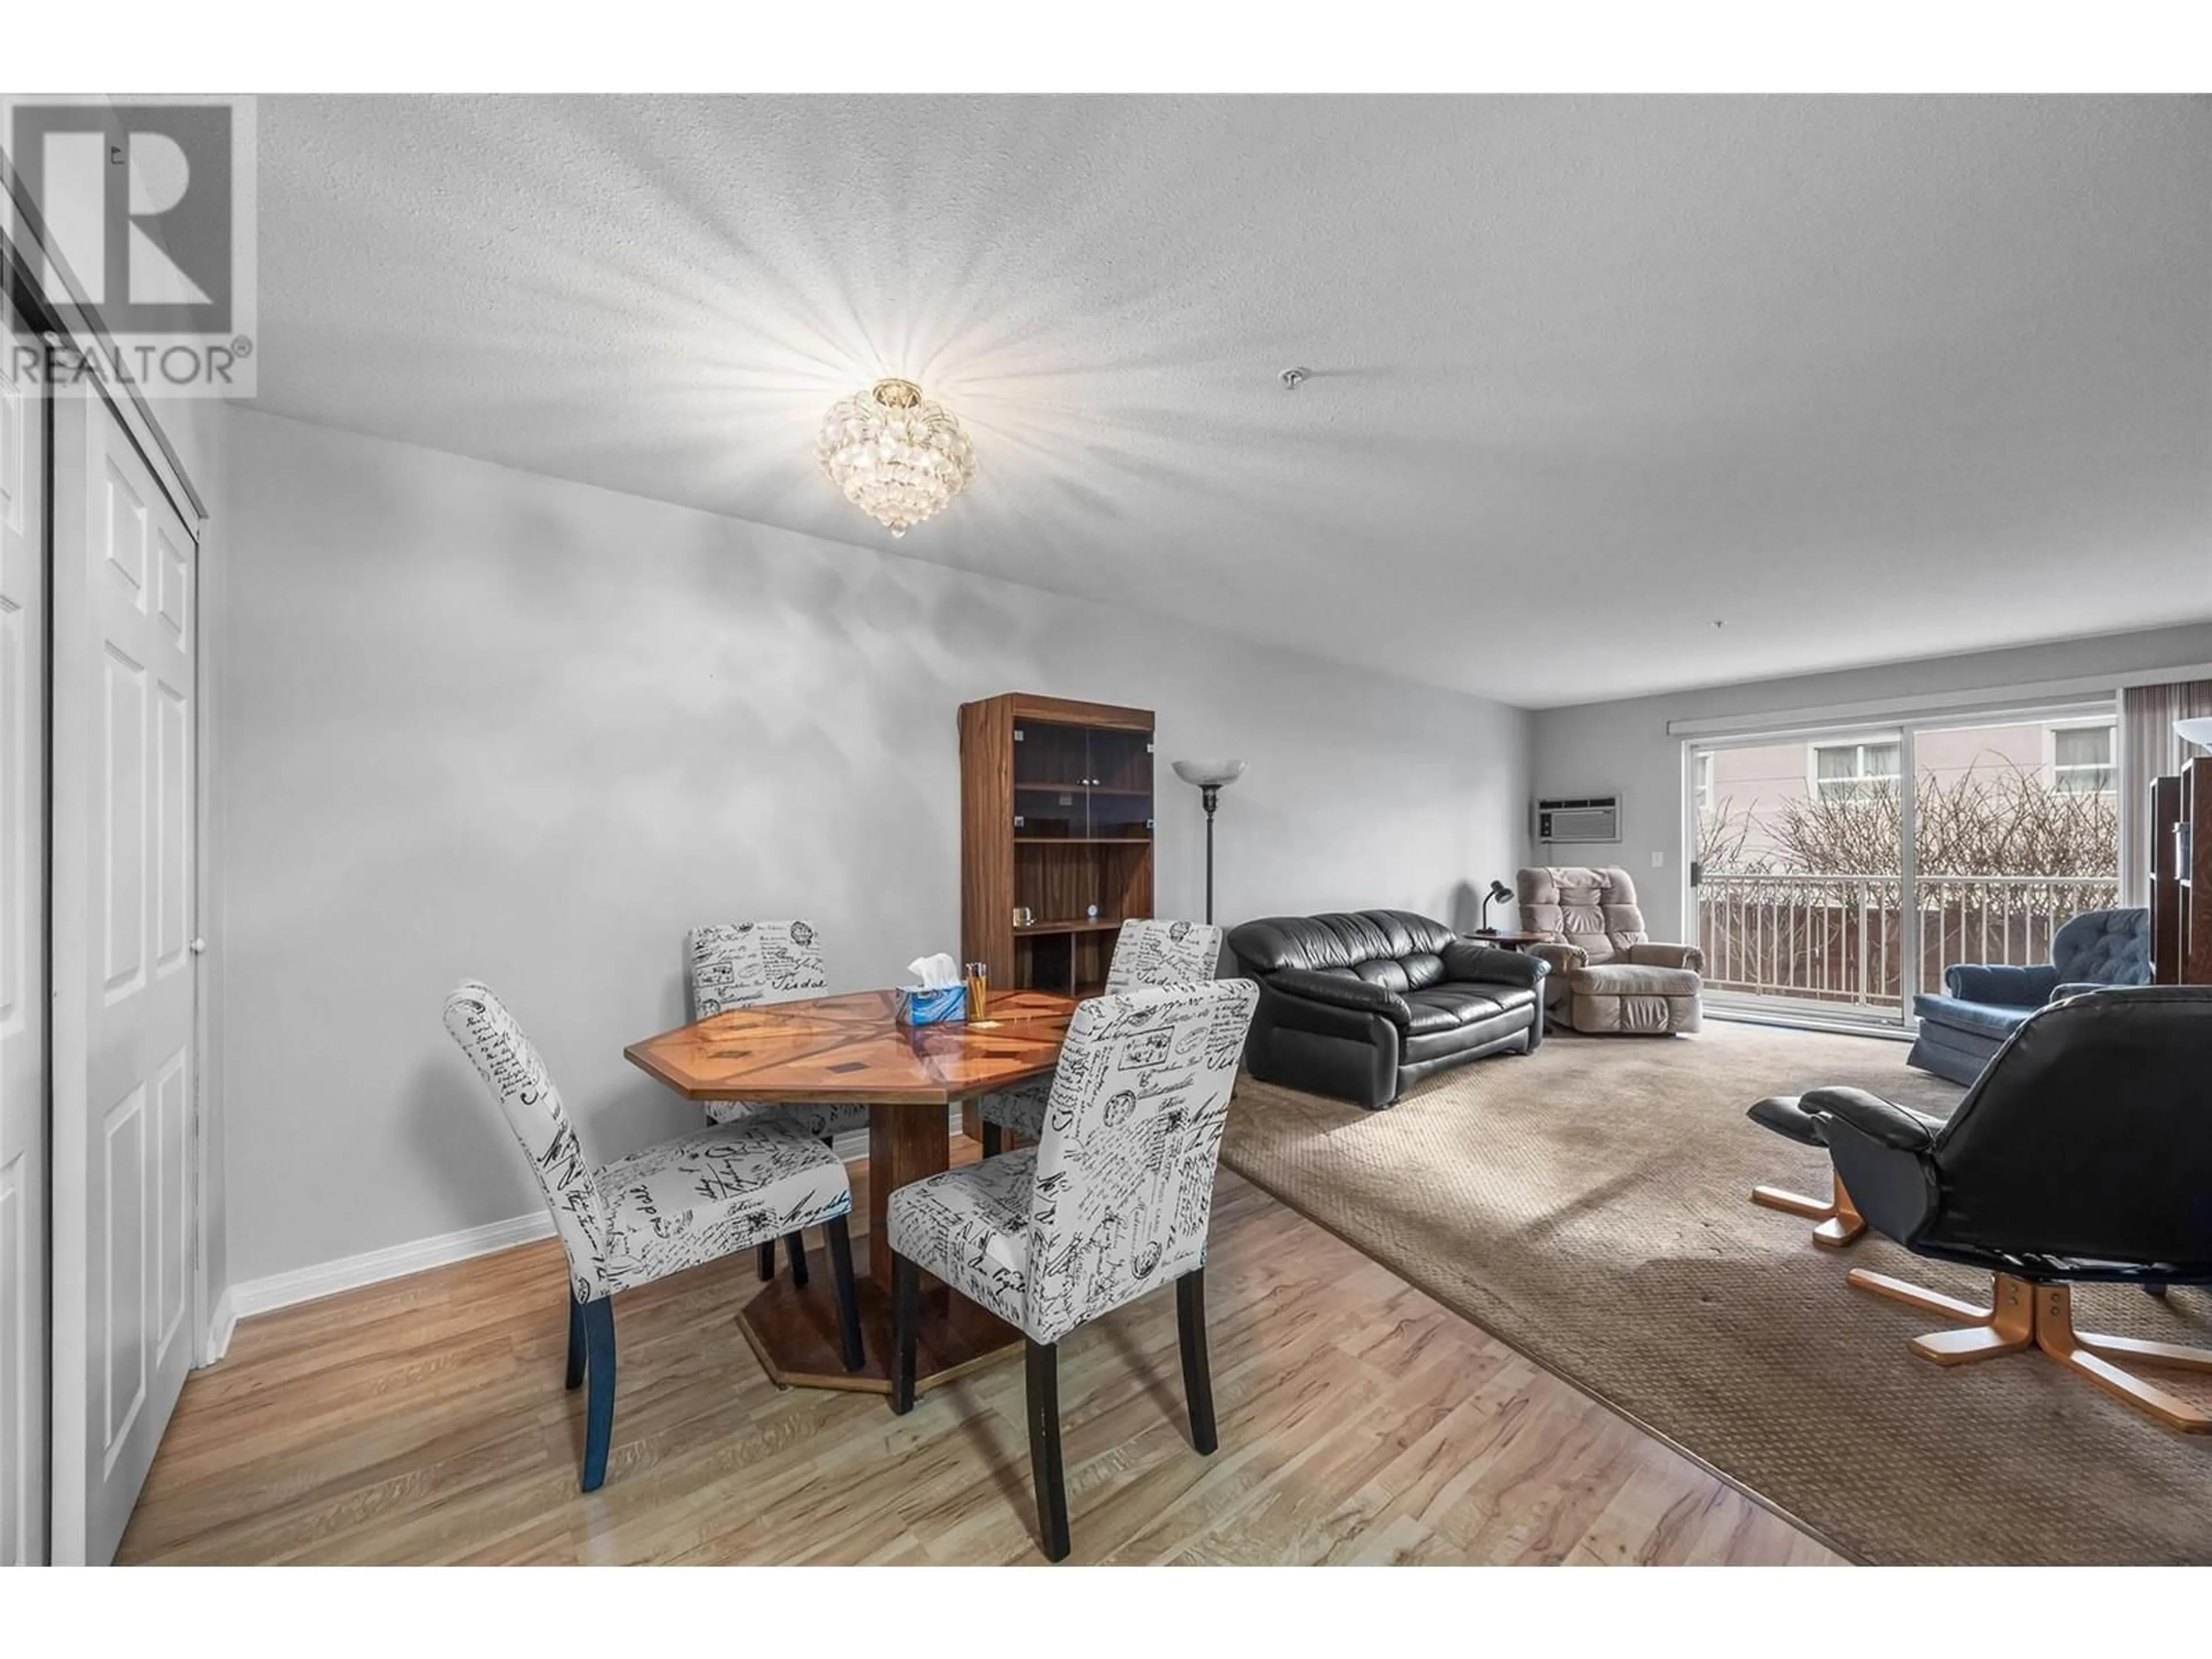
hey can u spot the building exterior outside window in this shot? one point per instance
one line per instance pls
(2081, 759)
(1854, 771)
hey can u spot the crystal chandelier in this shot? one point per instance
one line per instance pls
(894, 454)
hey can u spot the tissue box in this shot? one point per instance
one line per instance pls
(919, 1007)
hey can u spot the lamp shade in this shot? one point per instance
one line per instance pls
(2198, 731)
(1209, 774)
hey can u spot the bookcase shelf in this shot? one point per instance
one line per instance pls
(1055, 818)
(2181, 875)
(1083, 840)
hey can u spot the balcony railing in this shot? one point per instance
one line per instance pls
(1838, 940)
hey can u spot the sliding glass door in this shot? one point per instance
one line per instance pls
(1798, 871)
(1835, 873)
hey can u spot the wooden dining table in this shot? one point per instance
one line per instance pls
(851, 1050)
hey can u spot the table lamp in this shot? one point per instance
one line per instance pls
(1499, 893)
(1209, 778)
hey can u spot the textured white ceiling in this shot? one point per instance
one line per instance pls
(1867, 379)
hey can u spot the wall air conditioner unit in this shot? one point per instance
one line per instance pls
(1583, 818)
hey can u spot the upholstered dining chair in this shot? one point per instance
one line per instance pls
(1111, 1202)
(655, 1211)
(744, 964)
(1147, 951)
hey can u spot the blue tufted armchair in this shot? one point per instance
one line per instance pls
(1961, 1032)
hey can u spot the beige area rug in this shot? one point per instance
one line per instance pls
(1589, 1204)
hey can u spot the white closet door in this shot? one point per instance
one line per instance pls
(124, 784)
(23, 960)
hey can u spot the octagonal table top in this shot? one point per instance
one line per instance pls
(852, 1049)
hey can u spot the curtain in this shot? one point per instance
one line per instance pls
(2149, 749)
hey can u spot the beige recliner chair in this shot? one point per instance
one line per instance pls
(1606, 975)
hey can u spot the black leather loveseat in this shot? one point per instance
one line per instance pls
(1359, 1005)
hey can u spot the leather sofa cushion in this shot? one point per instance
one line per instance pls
(1340, 939)
(1617, 979)
(1420, 970)
(1474, 1037)
(1448, 1007)
(1994, 1019)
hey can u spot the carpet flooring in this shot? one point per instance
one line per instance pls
(1589, 1204)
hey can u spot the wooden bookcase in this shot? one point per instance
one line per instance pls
(1055, 816)
(2181, 875)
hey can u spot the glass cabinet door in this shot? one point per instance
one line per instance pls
(1120, 769)
(1052, 790)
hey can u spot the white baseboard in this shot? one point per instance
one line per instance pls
(261, 1296)
(350, 1272)
(221, 1323)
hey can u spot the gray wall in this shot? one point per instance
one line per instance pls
(481, 722)
(1626, 745)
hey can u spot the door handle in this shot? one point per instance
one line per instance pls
(198, 947)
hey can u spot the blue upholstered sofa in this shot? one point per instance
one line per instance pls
(1961, 1032)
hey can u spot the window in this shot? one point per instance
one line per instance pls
(1856, 771)
(2081, 760)
(1702, 788)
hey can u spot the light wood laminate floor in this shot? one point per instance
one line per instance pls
(424, 1420)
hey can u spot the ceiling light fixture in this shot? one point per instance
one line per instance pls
(894, 454)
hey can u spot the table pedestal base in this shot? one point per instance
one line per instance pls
(794, 1333)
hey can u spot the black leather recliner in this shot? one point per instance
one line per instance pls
(2083, 1154)
(1357, 1006)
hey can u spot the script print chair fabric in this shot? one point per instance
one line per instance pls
(655, 1211)
(1147, 951)
(746, 964)
(1112, 1202)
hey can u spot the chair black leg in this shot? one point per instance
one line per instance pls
(905, 1319)
(794, 1245)
(1044, 1448)
(768, 1260)
(600, 1404)
(1197, 1369)
(575, 1342)
(849, 1307)
(993, 1139)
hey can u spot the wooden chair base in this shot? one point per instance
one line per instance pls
(2021, 1314)
(1840, 1221)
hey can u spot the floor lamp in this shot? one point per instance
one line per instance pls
(1209, 778)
